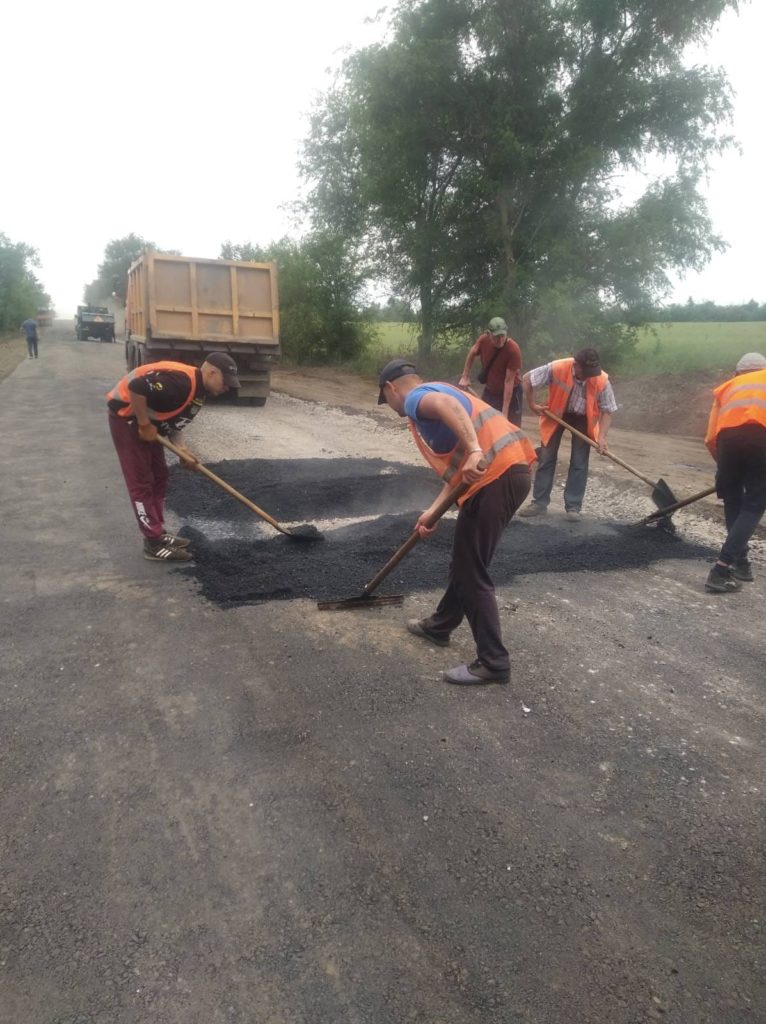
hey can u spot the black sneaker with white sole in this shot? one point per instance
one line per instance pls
(160, 551)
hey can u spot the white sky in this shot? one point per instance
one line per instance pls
(182, 122)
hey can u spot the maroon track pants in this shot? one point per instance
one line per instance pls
(146, 474)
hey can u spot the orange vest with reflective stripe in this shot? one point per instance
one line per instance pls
(503, 444)
(559, 390)
(121, 392)
(740, 400)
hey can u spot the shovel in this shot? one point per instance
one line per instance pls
(661, 493)
(365, 600)
(663, 512)
(305, 532)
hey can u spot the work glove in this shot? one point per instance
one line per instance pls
(147, 431)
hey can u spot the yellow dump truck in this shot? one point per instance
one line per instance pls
(182, 308)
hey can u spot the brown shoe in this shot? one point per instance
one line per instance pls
(416, 627)
(159, 551)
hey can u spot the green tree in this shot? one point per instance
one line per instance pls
(319, 290)
(112, 277)
(21, 294)
(477, 158)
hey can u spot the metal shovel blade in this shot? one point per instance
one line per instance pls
(662, 496)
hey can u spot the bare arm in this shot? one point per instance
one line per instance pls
(510, 377)
(604, 422)
(473, 352)
(529, 394)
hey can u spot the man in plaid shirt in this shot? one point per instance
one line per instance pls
(579, 392)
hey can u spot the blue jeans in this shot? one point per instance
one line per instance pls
(32, 347)
(741, 482)
(577, 477)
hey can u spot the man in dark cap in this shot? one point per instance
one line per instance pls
(579, 392)
(160, 398)
(464, 439)
(736, 438)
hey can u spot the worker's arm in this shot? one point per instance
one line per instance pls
(510, 378)
(711, 435)
(604, 422)
(529, 394)
(146, 429)
(443, 407)
(473, 352)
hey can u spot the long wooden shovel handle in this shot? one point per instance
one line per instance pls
(444, 504)
(593, 444)
(662, 512)
(221, 483)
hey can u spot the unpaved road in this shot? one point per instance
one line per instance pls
(271, 814)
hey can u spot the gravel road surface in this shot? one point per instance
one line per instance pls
(255, 812)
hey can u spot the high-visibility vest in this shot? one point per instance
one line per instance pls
(503, 444)
(121, 392)
(740, 400)
(559, 390)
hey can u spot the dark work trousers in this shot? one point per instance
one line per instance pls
(741, 482)
(32, 347)
(577, 477)
(514, 406)
(470, 591)
(146, 474)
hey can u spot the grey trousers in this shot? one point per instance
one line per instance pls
(577, 477)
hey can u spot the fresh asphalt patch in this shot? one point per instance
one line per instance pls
(233, 568)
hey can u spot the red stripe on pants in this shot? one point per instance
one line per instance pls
(146, 474)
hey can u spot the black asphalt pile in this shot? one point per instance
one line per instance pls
(233, 572)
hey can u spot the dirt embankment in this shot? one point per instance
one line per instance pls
(13, 349)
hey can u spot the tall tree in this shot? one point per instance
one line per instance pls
(478, 157)
(112, 277)
(21, 294)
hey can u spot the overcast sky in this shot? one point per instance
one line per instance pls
(182, 122)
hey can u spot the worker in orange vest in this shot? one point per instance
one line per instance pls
(579, 392)
(160, 398)
(736, 438)
(455, 431)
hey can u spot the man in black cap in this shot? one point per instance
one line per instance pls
(465, 440)
(579, 393)
(160, 398)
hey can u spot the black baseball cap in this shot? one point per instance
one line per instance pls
(588, 361)
(392, 371)
(227, 366)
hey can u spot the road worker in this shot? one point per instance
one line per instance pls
(736, 438)
(160, 398)
(455, 431)
(500, 372)
(579, 393)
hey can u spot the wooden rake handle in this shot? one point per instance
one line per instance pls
(593, 444)
(196, 464)
(444, 504)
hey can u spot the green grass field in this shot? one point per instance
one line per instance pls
(663, 348)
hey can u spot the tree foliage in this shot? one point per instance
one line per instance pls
(21, 294)
(319, 288)
(112, 277)
(478, 157)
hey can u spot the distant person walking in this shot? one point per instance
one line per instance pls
(500, 372)
(160, 398)
(736, 438)
(579, 393)
(29, 327)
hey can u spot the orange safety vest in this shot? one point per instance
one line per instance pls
(503, 444)
(740, 400)
(559, 390)
(121, 392)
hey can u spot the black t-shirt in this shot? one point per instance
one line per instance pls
(164, 391)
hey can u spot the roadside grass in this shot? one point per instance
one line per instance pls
(13, 350)
(662, 348)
